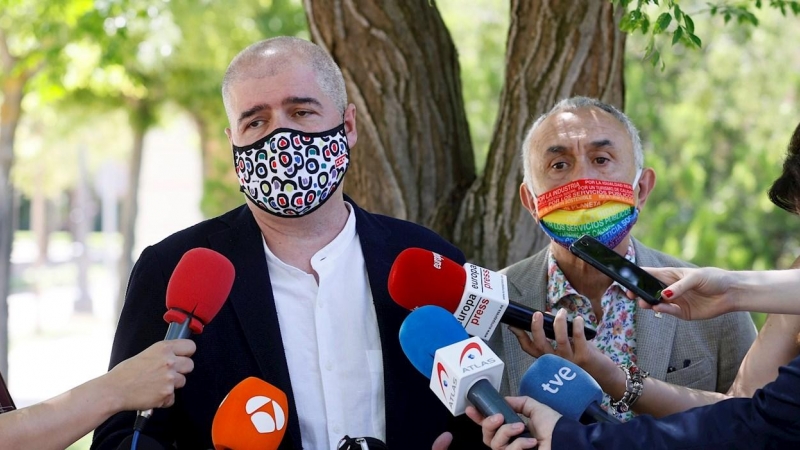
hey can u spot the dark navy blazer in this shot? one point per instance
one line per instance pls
(244, 339)
(771, 419)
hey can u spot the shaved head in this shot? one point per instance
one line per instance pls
(268, 57)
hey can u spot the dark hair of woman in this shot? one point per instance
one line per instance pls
(785, 191)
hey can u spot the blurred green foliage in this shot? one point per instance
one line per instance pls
(715, 121)
(654, 18)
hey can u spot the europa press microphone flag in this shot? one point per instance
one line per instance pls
(477, 297)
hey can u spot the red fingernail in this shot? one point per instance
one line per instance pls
(667, 293)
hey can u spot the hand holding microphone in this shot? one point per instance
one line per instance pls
(551, 387)
(252, 416)
(149, 379)
(478, 297)
(459, 368)
(196, 291)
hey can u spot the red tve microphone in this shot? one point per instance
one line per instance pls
(198, 287)
(252, 416)
(476, 296)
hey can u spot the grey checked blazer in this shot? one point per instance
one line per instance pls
(714, 347)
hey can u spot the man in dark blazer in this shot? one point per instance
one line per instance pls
(291, 130)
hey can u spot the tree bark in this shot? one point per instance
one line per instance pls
(414, 157)
(555, 50)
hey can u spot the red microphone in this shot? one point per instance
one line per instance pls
(252, 416)
(196, 291)
(478, 297)
(198, 287)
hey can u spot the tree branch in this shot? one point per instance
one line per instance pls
(6, 58)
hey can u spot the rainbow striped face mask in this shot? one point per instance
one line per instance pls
(605, 210)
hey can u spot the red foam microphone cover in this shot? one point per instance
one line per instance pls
(251, 417)
(421, 277)
(199, 285)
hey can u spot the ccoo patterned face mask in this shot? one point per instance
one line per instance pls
(605, 210)
(290, 173)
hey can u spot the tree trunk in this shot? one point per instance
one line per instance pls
(39, 223)
(10, 113)
(555, 50)
(82, 220)
(206, 145)
(130, 204)
(414, 157)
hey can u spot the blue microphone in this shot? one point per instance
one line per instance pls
(565, 387)
(430, 328)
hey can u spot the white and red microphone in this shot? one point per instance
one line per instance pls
(253, 416)
(476, 296)
(196, 291)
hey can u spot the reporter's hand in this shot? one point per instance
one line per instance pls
(443, 441)
(693, 293)
(149, 379)
(541, 423)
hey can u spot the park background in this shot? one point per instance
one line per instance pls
(112, 134)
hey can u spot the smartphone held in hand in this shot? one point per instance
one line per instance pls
(619, 269)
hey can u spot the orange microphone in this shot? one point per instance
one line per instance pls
(251, 417)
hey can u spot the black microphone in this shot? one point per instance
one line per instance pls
(361, 443)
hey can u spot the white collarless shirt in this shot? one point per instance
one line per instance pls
(331, 341)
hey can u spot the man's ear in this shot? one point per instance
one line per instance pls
(350, 125)
(646, 184)
(528, 201)
(228, 133)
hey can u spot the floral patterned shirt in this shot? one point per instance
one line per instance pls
(616, 336)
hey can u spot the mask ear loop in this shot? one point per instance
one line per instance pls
(636, 183)
(638, 174)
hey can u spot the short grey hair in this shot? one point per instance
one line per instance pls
(250, 62)
(573, 104)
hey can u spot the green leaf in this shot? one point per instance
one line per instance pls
(696, 40)
(628, 23)
(689, 23)
(678, 13)
(676, 36)
(662, 23)
(656, 57)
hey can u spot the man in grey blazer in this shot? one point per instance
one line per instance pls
(584, 173)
